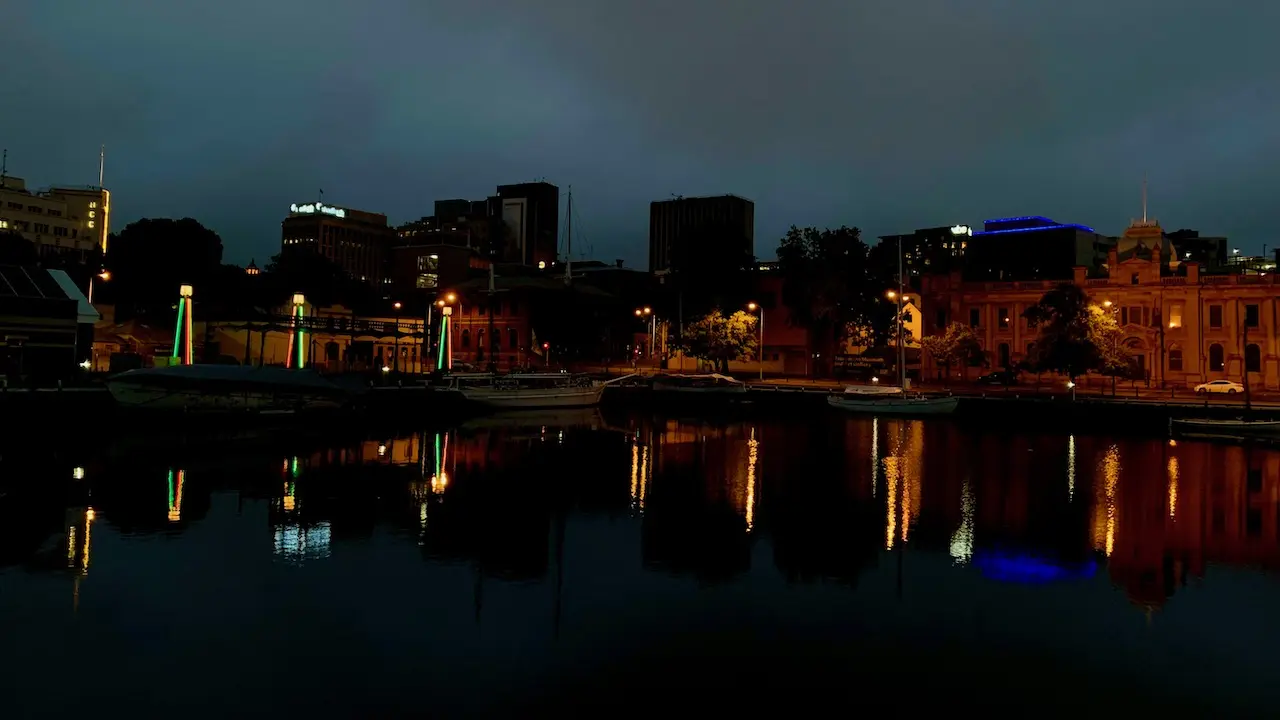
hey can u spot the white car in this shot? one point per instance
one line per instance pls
(1220, 386)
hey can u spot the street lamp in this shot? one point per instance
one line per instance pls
(396, 362)
(647, 311)
(753, 307)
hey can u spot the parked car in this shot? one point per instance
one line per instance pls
(999, 377)
(1220, 386)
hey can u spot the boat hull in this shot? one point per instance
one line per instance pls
(540, 398)
(894, 406)
(146, 397)
(1228, 429)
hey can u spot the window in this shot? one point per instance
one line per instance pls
(1175, 360)
(1133, 279)
(1003, 315)
(1175, 315)
(466, 338)
(974, 315)
(1253, 358)
(42, 228)
(58, 213)
(1135, 315)
(940, 319)
(1215, 358)
(1215, 317)
(1251, 316)
(34, 209)
(1004, 355)
(513, 338)
(59, 231)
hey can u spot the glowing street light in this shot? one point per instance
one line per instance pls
(891, 294)
(753, 307)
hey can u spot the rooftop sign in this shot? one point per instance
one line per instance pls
(961, 230)
(313, 208)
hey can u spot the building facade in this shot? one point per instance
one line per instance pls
(928, 250)
(696, 231)
(530, 224)
(356, 241)
(1180, 327)
(1033, 247)
(57, 220)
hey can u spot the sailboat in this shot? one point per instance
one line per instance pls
(1241, 428)
(887, 401)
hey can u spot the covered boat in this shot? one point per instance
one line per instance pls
(226, 388)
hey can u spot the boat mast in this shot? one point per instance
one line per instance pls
(568, 238)
(902, 350)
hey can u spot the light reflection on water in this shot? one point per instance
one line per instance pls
(920, 526)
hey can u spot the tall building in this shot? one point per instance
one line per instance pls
(1033, 247)
(929, 250)
(359, 242)
(530, 227)
(696, 231)
(57, 220)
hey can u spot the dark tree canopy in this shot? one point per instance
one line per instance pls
(301, 270)
(832, 287)
(151, 258)
(1073, 336)
(17, 250)
(713, 261)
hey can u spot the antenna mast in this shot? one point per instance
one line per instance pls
(1144, 199)
(102, 164)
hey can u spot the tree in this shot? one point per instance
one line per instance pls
(957, 345)
(17, 250)
(150, 258)
(1073, 336)
(833, 289)
(322, 281)
(719, 339)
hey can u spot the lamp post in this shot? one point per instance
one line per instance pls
(395, 362)
(755, 308)
(647, 312)
(444, 354)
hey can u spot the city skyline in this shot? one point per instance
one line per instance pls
(994, 114)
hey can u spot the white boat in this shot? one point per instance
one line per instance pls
(894, 404)
(709, 384)
(530, 390)
(1227, 429)
(872, 390)
(226, 389)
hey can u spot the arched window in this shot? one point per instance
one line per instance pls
(1004, 355)
(513, 337)
(1175, 359)
(1216, 362)
(466, 338)
(1253, 358)
(480, 344)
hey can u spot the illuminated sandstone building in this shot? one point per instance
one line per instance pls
(1181, 326)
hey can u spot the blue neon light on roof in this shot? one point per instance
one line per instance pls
(1085, 228)
(1023, 218)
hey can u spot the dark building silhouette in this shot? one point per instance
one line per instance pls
(1210, 252)
(696, 232)
(354, 240)
(530, 223)
(1033, 247)
(928, 250)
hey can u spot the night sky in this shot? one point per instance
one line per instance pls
(885, 114)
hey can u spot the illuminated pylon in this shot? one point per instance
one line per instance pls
(445, 359)
(297, 357)
(182, 331)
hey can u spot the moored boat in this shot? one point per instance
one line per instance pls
(226, 389)
(709, 384)
(530, 390)
(1227, 429)
(894, 404)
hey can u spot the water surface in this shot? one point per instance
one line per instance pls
(639, 565)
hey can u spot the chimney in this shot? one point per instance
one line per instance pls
(1193, 272)
(618, 263)
(1078, 274)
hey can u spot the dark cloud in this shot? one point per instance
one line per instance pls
(888, 114)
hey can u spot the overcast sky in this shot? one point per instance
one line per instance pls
(884, 114)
